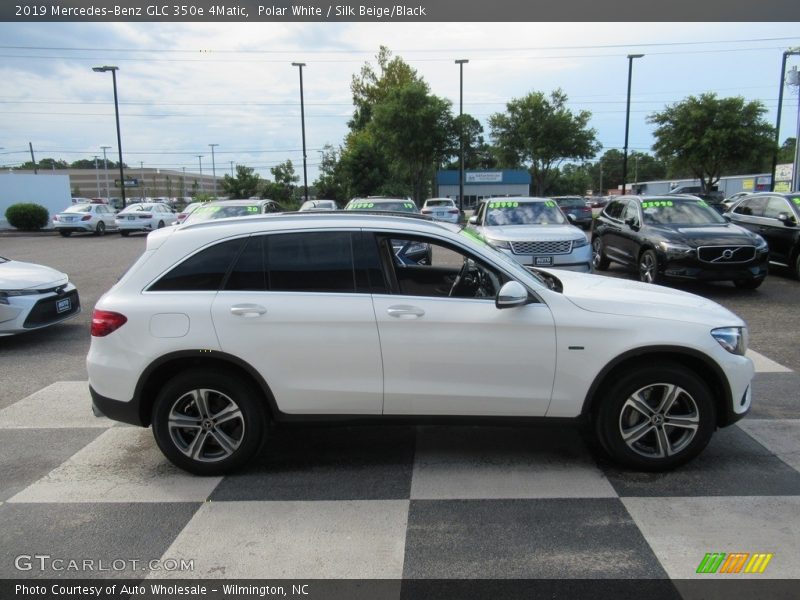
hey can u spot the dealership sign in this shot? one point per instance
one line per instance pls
(484, 177)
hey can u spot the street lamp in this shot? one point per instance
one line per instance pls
(786, 54)
(113, 70)
(105, 168)
(628, 119)
(460, 62)
(214, 169)
(300, 66)
(96, 176)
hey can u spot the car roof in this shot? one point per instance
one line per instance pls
(517, 199)
(238, 202)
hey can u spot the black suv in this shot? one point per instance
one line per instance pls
(775, 217)
(677, 237)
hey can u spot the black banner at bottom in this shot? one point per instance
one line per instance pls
(404, 589)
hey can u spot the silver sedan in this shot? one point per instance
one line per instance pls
(85, 218)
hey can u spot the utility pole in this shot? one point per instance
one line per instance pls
(105, 167)
(97, 176)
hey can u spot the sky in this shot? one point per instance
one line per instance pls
(183, 86)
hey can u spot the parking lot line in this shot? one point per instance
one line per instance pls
(765, 365)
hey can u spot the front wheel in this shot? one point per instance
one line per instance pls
(656, 418)
(160, 224)
(648, 267)
(208, 422)
(124, 233)
(599, 260)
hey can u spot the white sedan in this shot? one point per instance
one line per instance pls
(85, 218)
(34, 296)
(145, 217)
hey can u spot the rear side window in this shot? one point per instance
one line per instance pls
(614, 210)
(203, 271)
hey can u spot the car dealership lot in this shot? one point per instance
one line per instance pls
(373, 502)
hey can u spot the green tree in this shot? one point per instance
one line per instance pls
(416, 129)
(330, 183)
(786, 152)
(88, 163)
(45, 164)
(246, 183)
(363, 167)
(710, 137)
(571, 179)
(542, 133)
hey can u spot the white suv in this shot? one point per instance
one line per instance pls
(223, 326)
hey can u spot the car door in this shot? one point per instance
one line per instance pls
(611, 231)
(748, 212)
(779, 233)
(452, 352)
(291, 309)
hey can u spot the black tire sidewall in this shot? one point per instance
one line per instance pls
(602, 262)
(100, 229)
(656, 276)
(242, 393)
(607, 415)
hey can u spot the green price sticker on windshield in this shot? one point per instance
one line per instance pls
(796, 200)
(252, 209)
(408, 205)
(503, 204)
(657, 204)
(550, 204)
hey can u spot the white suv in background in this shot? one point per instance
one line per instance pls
(209, 337)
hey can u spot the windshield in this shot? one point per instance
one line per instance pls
(397, 205)
(511, 212)
(218, 211)
(80, 208)
(680, 212)
(439, 203)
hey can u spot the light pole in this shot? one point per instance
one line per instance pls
(105, 168)
(231, 169)
(113, 70)
(461, 62)
(141, 174)
(627, 119)
(794, 79)
(183, 184)
(300, 66)
(786, 54)
(97, 176)
(214, 169)
(200, 158)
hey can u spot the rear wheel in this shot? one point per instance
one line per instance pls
(100, 229)
(648, 267)
(124, 233)
(65, 233)
(656, 417)
(208, 422)
(599, 260)
(160, 224)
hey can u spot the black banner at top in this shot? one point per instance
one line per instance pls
(399, 10)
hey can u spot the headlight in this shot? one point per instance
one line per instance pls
(674, 250)
(733, 339)
(505, 245)
(761, 243)
(581, 241)
(6, 294)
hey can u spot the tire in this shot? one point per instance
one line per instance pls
(100, 229)
(748, 284)
(648, 267)
(160, 224)
(796, 272)
(640, 428)
(124, 233)
(223, 446)
(600, 261)
(65, 233)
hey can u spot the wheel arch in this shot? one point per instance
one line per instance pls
(697, 362)
(165, 367)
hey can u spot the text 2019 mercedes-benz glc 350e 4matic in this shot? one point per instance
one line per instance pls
(209, 338)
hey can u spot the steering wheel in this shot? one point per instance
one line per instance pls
(461, 274)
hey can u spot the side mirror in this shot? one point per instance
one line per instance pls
(727, 217)
(571, 217)
(787, 219)
(473, 220)
(632, 223)
(512, 294)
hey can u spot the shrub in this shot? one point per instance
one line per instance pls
(27, 216)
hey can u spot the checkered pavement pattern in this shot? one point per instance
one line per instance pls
(398, 502)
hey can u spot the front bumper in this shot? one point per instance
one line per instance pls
(579, 260)
(26, 313)
(692, 268)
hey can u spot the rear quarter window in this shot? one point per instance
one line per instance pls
(203, 271)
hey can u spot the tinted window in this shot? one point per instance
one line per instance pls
(614, 209)
(512, 212)
(753, 207)
(571, 202)
(248, 274)
(631, 211)
(666, 211)
(311, 262)
(202, 271)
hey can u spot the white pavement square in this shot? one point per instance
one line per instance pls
(122, 465)
(59, 405)
(682, 530)
(766, 365)
(288, 540)
(474, 463)
(779, 436)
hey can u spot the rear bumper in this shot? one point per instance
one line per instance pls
(127, 412)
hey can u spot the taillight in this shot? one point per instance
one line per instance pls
(105, 322)
(86, 217)
(181, 216)
(426, 211)
(453, 211)
(55, 218)
(145, 216)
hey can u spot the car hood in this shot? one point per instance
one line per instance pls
(609, 295)
(526, 233)
(710, 235)
(16, 275)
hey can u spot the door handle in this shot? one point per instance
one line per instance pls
(405, 312)
(248, 310)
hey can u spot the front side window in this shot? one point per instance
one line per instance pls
(614, 210)
(751, 207)
(422, 267)
(775, 206)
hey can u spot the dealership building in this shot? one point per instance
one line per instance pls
(483, 184)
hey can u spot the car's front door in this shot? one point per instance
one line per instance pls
(291, 307)
(446, 348)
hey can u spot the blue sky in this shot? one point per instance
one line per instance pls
(183, 86)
